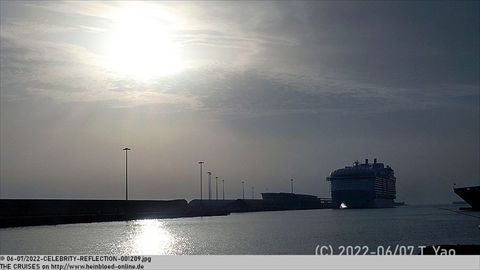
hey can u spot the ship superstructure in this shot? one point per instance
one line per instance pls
(367, 185)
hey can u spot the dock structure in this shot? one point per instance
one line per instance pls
(30, 212)
(27, 212)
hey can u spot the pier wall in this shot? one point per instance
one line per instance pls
(24, 212)
(28, 212)
(237, 206)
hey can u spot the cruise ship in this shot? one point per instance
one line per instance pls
(367, 185)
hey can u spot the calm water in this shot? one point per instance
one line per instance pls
(285, 232)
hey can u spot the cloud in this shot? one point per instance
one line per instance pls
(95, 9)
(275, 58)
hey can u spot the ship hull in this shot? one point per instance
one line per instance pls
(471, 195)
(359, 199)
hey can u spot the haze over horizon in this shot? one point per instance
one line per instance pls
(260, 91)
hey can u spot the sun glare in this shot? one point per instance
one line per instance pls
(141, 45)
(152, 238)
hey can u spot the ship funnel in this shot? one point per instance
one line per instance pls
(366, 161)
(374, 161)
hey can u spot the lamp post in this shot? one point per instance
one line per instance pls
(126, 149)
(243, 190)
(209, 185)
(201, 180)
(223, 188)
(291, 184)
(216, 187)
(253, 193)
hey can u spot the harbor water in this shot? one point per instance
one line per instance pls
(282, 232)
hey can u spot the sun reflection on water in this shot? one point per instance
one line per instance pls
(151, 237)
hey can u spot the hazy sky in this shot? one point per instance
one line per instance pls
(260, 91)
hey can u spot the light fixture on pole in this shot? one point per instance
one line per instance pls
(216, 187)
(209, 185)
(126, 149)
(201, 180)
(291, 184)
(243, 190)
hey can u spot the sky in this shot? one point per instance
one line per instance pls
(262, 92)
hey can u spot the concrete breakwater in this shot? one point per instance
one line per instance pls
(27, 212)
(30, 212)
(238, 206)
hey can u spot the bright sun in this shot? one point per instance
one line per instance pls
(141, 45)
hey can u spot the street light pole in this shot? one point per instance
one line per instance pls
(291, 184)
(216, 187)
(209, 185)
(201, 180)
(253, 193)
(223, 187)
(243, 190)
(126, 149)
